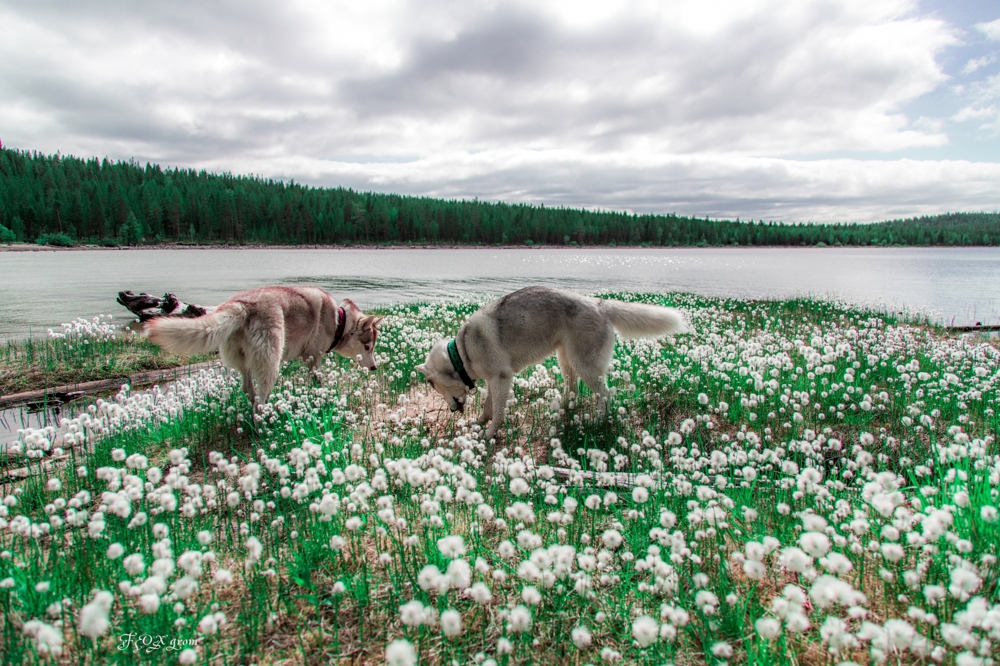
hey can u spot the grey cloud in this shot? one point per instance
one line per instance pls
(513, 72)
(509, 104)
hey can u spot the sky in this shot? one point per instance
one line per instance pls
(791, 110)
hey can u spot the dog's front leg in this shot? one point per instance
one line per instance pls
(487, 409)
(499, 389)
(315, 365)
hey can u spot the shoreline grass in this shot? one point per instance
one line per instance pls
(82, 351)
(805, 482)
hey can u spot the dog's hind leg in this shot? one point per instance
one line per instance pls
(569, 376)
(232, 357)
(593, 365)
(597, 384)
(248, 388)
(266, 362)
(499, 391)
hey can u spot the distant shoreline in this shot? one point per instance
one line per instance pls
(31, 247)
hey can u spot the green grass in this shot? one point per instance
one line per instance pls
(714, 426)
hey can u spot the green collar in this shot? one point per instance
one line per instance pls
(456, 361)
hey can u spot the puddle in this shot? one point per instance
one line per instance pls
(35, 416)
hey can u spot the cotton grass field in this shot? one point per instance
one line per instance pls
(794, 482)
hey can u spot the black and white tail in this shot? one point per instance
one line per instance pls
(200, 335)
(638, 320)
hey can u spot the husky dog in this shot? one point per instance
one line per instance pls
(524, 328)
(256, 330)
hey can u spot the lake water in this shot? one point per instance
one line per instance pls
(39, 290)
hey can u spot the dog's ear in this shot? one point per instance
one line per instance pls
(348, 304)
(422, 369)
(375, 321)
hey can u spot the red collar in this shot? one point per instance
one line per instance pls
(341, 322)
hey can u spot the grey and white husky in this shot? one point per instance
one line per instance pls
(256, 330)
(527, 326)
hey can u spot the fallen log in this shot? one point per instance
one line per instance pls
(57, 395)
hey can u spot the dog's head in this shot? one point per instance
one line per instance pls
(441, 375)
(359, 340)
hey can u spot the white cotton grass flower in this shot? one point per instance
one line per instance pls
(413, 613)
(134, 564)
(963, 583)
(530, 595)
(754, 569)
(458, 574)
(185, 586)
(208, 625)
(722, 650)
(934, 593)
(988, 514)
(149, 603)
(836, 563)
(451, 623)
(94, 616)
(507, 550)
(187, 657)
(519, 620)
(816, 544)
(794, 559)
(519, 486)
(835, 633)
(430, 579)
(254, 550)
(827, 590)
(769, 628)
(115, 551)
(645, 630)
(612, 538)
(893, 552)
(581, 636)
(48, 638)
(452, 546)
(400, 652)
(480, 593)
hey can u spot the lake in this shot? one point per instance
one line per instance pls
(39, 290)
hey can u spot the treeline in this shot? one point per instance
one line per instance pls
(65, 200)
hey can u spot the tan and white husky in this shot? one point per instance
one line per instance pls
(256, 330)
(526, 327)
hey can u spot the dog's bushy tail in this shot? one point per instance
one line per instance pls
(200, 335)
(638, 320)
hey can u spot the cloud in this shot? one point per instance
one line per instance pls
(700, 106)
(712, 185)
(975, 63)
(984, 96)
(991, 29)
